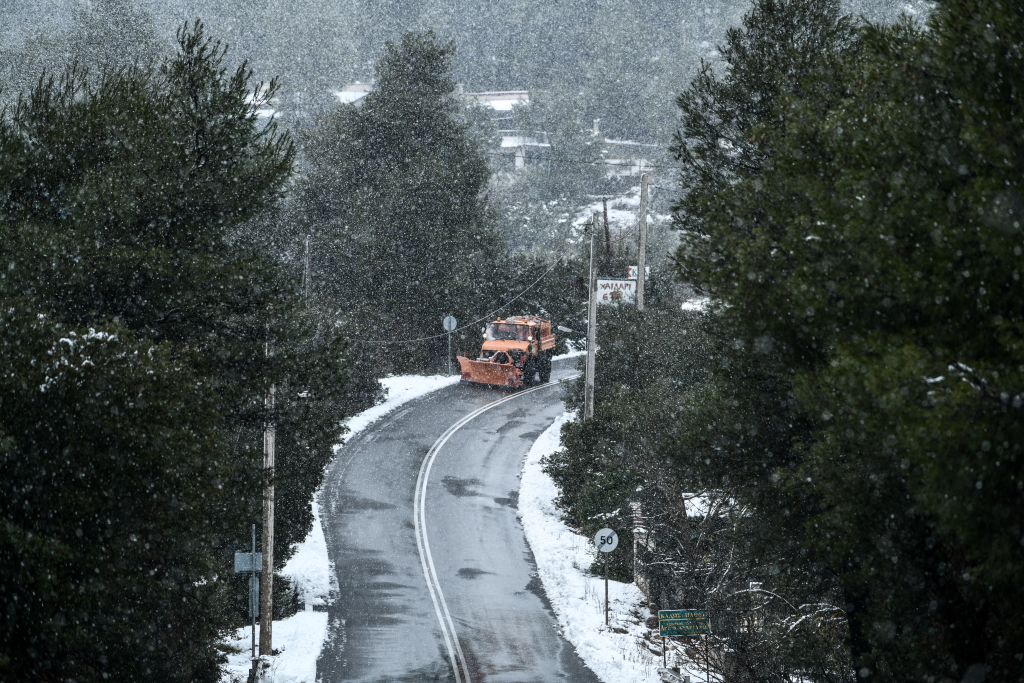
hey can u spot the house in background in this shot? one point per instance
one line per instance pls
(519, 148)
(516, 146)
(351, 94)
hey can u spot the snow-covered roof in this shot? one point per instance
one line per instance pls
(630, 143)
(521, 141)
(500, 100)
(353, 93)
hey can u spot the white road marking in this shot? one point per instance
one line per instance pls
(444, 618)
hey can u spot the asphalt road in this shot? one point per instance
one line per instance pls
(436, 580)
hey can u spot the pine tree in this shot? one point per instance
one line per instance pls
(394, 200)
(131, 210)
(772, 54)
(114, 498)
(876, 255)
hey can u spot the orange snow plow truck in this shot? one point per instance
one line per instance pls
(516, 353)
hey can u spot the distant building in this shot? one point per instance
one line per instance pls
(628, 158)
(518, 148)
(499, 100)
(351, 94)
(266, 109)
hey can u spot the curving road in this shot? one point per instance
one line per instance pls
(436, 581)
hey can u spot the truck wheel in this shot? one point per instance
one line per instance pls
(532, 373)
(545, 368)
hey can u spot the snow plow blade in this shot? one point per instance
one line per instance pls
(487, 372)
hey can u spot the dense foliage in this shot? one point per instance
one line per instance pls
(396, 206)
(144, 322)
(851, 205)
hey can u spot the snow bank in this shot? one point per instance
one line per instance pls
(618, 653)
(695, 304)
(309, 569)
(400, 390)
(300, 637)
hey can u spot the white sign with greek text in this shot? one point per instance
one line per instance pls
(616, 291)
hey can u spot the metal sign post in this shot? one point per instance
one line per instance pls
(449, 326)
(251, 563)
(606, 541)
(686, 622)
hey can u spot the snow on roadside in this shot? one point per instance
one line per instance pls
(616, 653)
(309, 569)
(571, 353)
(400, 390)
(700, 304)
(300, 637)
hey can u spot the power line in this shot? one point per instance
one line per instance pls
(618, 238)
(467, 325)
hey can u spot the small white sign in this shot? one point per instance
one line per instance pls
(449, 323)
(633, 270)
(616, 291)
(606, 540)
(248, 562)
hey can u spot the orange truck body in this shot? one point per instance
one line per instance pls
(516, 352)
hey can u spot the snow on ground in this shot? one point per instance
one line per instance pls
(696, 304)
(400, 390)
(308, 568)
(571, 353)
(300, 637)
(618, 653)
(623, 212)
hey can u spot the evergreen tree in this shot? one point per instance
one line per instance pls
(132, 203)
(394, 199)
(717, 420)
(875, 256)
(772, 54)
(113, 502)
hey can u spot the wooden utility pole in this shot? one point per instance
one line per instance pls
(607, 237)
(606, 589)
(267, 575)
(642, 257)
(309, 274)
(588, 405)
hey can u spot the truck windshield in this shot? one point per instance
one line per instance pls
(507, 331)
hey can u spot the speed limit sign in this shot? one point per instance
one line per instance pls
(606, 540)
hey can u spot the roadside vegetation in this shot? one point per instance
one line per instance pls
(825, 453)
(849, 403)
(144, 321)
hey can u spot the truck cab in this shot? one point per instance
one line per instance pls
(516, 352)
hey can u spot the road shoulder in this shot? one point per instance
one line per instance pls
(616, 653)
(299, 638)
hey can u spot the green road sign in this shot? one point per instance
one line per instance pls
(684, 622)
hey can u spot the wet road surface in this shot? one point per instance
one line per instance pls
(386, 625)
